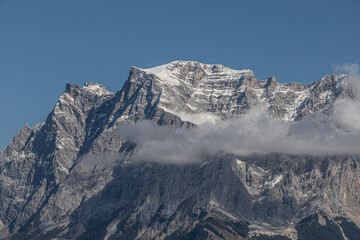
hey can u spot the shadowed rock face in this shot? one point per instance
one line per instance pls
(52, 186)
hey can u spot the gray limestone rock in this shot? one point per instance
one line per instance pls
(72, 178)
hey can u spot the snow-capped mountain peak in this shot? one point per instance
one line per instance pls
(67, 178)
(191, 87)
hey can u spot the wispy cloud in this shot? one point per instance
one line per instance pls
(347, 111)
(353, 73)
(106, 160)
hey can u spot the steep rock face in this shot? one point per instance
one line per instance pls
(40, 158)
(51, 182)
(191, 87)
(149, 201)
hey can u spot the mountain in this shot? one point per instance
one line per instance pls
(71, 177)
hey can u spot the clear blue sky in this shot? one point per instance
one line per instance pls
(44, 44)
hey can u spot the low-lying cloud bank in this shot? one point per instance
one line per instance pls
(256, 132)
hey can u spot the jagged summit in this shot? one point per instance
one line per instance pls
(191, 87)
(191, 72)
(95, 88)
(191, 67)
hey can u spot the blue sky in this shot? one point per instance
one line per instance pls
(45, 44)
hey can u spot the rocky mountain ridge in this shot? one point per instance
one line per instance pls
(54, 183)
(191, 87)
